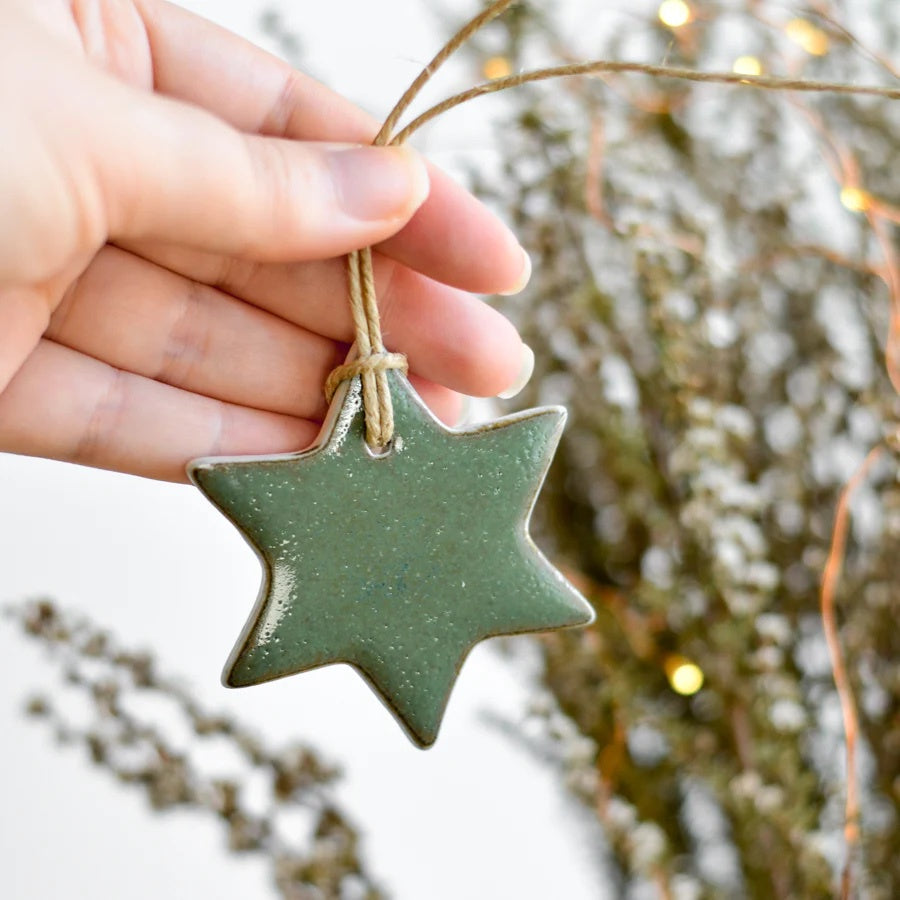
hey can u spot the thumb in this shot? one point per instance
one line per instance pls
(173, 172)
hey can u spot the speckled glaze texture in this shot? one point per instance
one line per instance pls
(396, 564)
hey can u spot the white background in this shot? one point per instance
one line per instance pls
(476, 817)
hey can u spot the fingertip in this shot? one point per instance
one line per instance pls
(523, 277)
(453, 238)
(523, 376)
(495, 356)
(450, 336)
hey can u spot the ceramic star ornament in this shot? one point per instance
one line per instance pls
(397, 563)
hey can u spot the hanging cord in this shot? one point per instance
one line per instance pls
(373, 360)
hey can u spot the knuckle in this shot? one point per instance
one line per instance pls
(278, 118)
(101, 425)
(187, 341)
(279, 182)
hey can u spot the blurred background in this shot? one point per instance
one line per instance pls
(716, 280)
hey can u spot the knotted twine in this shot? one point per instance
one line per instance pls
(372, 360)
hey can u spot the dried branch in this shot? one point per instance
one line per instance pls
(830, 578)
(137, 751)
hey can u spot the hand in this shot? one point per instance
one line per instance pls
(175, 206)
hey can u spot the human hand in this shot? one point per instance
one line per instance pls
(171, 273)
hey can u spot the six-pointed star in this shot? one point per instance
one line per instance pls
(396, 564)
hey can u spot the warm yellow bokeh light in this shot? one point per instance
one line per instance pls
(675, 13)
(747, 65)
(813, 40)
(684, 676)
(856, 199)
(496, 67)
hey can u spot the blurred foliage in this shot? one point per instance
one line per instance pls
(135, 743)
(713, 318)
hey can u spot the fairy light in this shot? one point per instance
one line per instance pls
(856, 199)
(685, 677)
(675, 13)
(496, 67)
(812, 39)
(747, 65)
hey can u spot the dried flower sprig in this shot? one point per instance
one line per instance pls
(137, 751)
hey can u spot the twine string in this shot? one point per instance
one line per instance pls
(455, 42)
(373, 361)
(595, 67)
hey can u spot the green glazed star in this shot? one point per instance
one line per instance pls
(397, 564)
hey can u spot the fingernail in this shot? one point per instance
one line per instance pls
(526, 370)
(524, 278)
(374, 183)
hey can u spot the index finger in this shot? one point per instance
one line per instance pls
(453, 237)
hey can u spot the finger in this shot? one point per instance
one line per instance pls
(67, 406)
(169, 171)
(141, 318)
(453, 238)
(449, 336)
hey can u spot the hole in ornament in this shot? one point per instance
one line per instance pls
(381, 452)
